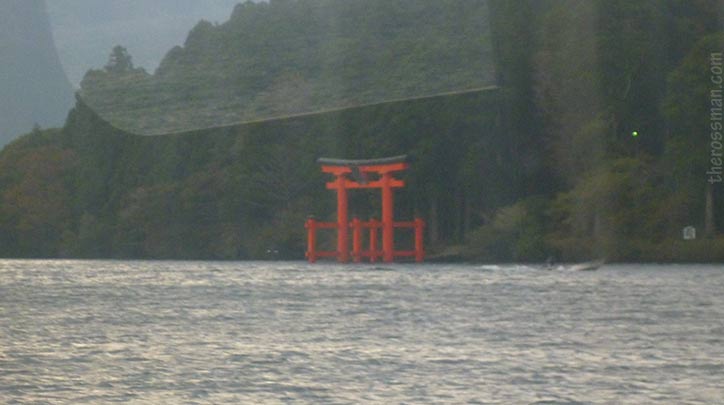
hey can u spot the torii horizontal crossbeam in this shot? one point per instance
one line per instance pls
(362, 162)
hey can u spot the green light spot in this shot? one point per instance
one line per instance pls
(634, 134)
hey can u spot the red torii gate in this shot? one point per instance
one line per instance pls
(361, 171)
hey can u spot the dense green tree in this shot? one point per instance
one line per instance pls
(691, 109)
(120, 61)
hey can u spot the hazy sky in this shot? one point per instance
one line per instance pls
(86, 30)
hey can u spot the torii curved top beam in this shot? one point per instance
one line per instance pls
(362, 162)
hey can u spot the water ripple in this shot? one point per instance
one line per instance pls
(198, 332)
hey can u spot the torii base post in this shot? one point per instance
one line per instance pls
(311, 226)
(419, 248)
(356, 240)
(374, 253)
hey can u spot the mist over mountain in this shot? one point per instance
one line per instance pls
(285, 58)
(86, 30)
(33, 85)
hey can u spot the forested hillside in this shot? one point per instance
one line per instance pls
(293, 57)
(92, 191)
(596, 142)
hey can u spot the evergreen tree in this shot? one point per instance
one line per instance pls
(119, 61)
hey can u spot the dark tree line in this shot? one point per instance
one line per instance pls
(596, 142)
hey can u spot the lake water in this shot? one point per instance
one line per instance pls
(263, 332)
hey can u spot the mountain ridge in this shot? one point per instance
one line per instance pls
(295, 57)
